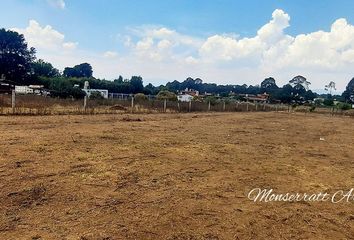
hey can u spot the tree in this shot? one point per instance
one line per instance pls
(269, 84)
(330, 87)
(84, 70)
(140, 97)
(81, 70)
(137, 84)
(164, 94)
(348, 94)
(70, 72)
(44, 69)
(15, 56)
(150, 89)
(300, 80)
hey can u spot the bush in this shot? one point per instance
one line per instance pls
(344, 106)
(77, 93)
(318, 102)
(211, 99)
(328, 102)
(96, 95)
(140, 97)
(164, 94)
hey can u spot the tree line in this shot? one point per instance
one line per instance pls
(19, 65)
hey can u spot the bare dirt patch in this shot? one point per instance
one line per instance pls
(173, 176)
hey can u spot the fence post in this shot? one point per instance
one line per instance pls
(132, 106)
(190, 106)
(264, 106)
(85, 103)
(179, 108)
(247, 106)
(256, 106)
(236, 107)
(276, 108)
(13, 101)
(224, 106)
(209, 106)
(164, 105)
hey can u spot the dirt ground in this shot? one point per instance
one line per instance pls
(173, 176)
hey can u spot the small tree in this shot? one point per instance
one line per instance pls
(300, 80)
(211, 99)
(328, 102)
(164, 94)
(77, 93)
(139, 97)
(331, 86)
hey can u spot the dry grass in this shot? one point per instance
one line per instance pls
(173, 176)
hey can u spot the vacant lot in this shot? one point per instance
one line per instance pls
(170, 176)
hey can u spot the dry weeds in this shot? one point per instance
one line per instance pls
(173, 176)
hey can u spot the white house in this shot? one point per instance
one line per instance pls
(23, 90)
(187, 95)
(184, 97)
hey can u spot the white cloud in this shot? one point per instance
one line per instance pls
(320, 55)
(157, 52)
(57, 3)
(70, 45)
(227, 48)
(45, 38)
(160, 43)
(191, 60)
(110, 54)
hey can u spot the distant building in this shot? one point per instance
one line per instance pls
(31, 89)
(259, 98)
(88, 91)
(37, 89)
(187, 95)
(23, 90)
(184, 97)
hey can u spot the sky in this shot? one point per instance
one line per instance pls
(219, 41)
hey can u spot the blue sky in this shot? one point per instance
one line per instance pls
(124, 37)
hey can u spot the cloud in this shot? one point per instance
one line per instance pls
(219, 47)
(57, 3)
(158, 52)
(160, 43)
(45, 38)
(110, 54)
(320, 55)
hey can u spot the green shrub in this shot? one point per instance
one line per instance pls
(96, 95)
(164, 94)
(328, 102)
(140, 97)
(211, 99)
(344, 106)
